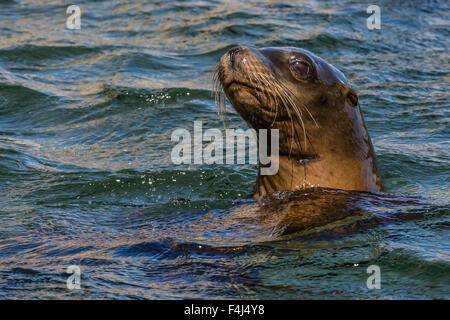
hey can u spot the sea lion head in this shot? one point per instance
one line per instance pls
(323, 138)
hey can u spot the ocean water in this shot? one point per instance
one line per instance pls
(86, 179)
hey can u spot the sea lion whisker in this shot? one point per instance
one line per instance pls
(286, 97)
(284, 104)
(269, 93)
(304, 105)
(219, 98)
(299, 115)
(294, 107)
(312, 117)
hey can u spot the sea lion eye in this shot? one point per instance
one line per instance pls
(300, 68)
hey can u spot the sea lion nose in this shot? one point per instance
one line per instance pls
(232, 52)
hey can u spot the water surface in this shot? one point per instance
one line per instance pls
(86, 178)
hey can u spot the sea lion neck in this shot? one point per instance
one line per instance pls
(337, 171)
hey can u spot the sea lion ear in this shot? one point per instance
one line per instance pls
(352, 98)
(350, 95)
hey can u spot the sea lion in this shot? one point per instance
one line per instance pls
(323, 138)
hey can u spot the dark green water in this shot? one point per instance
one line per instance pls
(86, 178)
